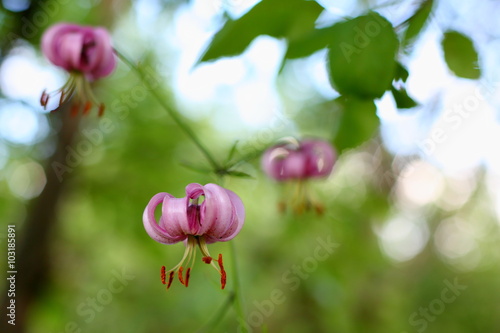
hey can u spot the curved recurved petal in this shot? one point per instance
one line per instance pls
(155, 231)
(294, 166)
(320, 158)
(70, 50)
(101, 57)
(273, 160)
(51, 41)
(238, 217)
(216, 211)
(175, 219)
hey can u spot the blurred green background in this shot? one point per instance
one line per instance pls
(411, 217)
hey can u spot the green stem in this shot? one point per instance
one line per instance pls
(219, 315)
(235, 296)
(238, 304)
(177, 119)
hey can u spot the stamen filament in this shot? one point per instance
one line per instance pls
(189, 249)
(189, 257)
(204, 250)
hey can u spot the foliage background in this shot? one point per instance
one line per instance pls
(403, 223)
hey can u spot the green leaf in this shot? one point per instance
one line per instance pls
(232, 151)
(239, 174)
(401, 73)
(196, 168)
(460, 55)
(358, 122)
(362, 56)
(314, 41)
(417, 22)
(290, 19)
(403, 101)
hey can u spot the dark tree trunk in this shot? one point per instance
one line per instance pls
(34, 236)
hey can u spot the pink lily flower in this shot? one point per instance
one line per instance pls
(86, 53)
(298, 161)
(207, 214)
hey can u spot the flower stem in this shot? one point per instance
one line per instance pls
(238, 303)
(177, 119)
(219, 315)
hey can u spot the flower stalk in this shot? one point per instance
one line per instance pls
(177, 119)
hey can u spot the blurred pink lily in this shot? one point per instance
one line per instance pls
(299, 161)
(86, 53)
(207, 214)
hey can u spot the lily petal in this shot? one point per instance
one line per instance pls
(320, 158)
(174, 213)
(80, 48)
(103, 62)
(238, 218)
(70, 50)
(155, 231)
(309, 158)
(50, 41)
(216, 211)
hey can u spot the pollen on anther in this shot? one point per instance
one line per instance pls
(44, 99)
(223, 275)
(170, 279)
(207, 260)
(101, 109)
(163, 275)
(179, 274)
(187, 276)
(87, 107)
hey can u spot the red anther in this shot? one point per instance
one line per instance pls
(179, 273)
(320, 209)
(170, 279)
(222, 272)
(44, 99)
(207, 260)
(223, 280)
(87, 107)
(163, 275)
(187, 275)
(74, 110)
(101, 109)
